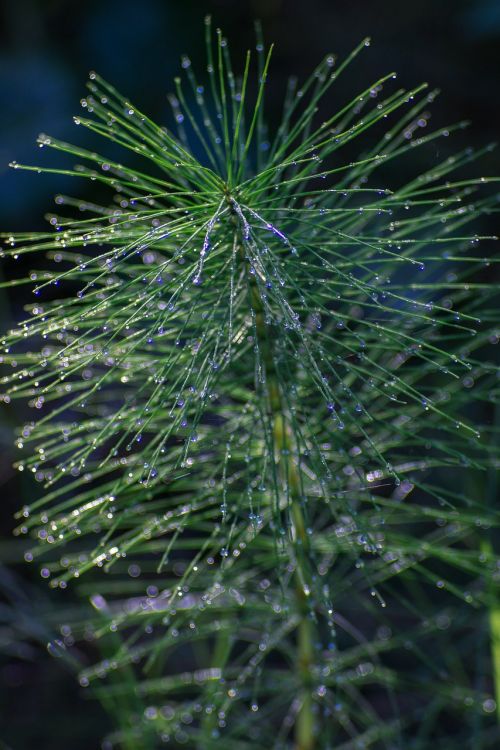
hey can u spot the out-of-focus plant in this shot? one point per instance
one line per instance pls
(257, 398)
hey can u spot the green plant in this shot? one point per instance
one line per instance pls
(265, 369)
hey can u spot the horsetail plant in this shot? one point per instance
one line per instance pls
(258, 406)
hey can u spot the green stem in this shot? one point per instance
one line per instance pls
(494, 626)
(284, 451)
(222, 649)
(491, 492)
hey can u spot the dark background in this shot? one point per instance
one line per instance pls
(46, 50)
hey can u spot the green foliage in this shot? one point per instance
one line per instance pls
(259, 397)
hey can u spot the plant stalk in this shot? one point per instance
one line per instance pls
(284, 451)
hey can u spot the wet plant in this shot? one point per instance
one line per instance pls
(262, 376)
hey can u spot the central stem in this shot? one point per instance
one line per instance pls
(285, 449)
